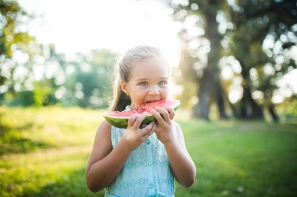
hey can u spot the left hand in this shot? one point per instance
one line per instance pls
(165, 125)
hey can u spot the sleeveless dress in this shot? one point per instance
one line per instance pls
(146, 173)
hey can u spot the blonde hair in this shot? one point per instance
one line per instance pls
(123, 73)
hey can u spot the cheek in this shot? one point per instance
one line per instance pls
(165, 93)
(138, 95)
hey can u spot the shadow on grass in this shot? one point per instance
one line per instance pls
(12, 140)
(11, 145)
(70, 185)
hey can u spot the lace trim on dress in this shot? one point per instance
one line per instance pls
(146, 163)
(131, 183)
(141, 181)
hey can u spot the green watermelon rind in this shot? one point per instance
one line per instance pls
(122, 122)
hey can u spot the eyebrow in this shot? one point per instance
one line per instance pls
(143, 79)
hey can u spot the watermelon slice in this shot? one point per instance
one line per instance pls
(120, 119)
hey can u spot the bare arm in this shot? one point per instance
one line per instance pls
(105, 162)
(182, 166)
(181, 163)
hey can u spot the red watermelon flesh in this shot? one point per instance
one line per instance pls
(120, 119)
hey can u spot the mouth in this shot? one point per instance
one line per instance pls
(151, 101)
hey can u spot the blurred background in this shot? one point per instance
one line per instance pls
(237, 72)
(238, 58)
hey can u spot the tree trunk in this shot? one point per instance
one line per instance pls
(235, 112)
(220, 100)
(202, 107)
(249, 109)
(245, 108)
(257, 111)
(211, 77)
(272, 113)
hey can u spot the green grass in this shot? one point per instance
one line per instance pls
(31, 129)
(43, 152)
(242, 158)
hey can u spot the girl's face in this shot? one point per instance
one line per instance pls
(148, 81)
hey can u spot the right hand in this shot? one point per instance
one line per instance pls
(134, 136)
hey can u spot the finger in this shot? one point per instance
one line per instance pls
(171, 112)
(164, 113)
(157, 115)
(132, 119)
(143, 125)
(146, 131)
(151, 131)
(139, 119)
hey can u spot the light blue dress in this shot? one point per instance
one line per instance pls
(146, 173)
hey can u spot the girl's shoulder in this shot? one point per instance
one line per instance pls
(176, 126)
(103, 130)
(178, 130)
(104, 125)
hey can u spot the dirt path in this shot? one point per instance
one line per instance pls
(50, 152)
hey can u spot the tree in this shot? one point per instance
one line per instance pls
(206, 74)
(243, 27)
(17, 47)
(85, 80)
(88, 79)
(251, 29)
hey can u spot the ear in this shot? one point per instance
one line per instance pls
(124, 87)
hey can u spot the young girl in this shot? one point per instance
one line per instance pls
(140, 161)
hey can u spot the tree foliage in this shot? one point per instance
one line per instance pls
(89, 79)
(239, 29)
(84, 80)
(202, 52)
(17, 48)
(260, 64)
(33, 74)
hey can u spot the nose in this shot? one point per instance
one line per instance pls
(154, 90)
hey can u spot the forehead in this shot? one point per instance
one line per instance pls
(150, 67)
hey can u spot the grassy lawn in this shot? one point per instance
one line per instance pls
(43, 152)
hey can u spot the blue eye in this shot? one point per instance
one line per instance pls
(162, 83)
(143, 83)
